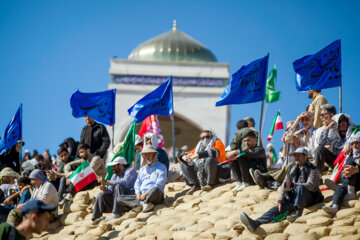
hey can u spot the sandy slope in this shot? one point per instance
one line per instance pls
(205, 215)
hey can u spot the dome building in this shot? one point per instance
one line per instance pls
(198, 82)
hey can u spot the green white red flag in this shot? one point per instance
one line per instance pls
(276, 125)
(83, 175)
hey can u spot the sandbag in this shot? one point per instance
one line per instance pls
(319, 221)
(343, 230)
(226, 235)
(320, 231)
(349, 221)
(249, 237)
(164, 235)
(200, 227)
(270, 228)
(87, 237)
(224, 224)
(82, 197)
(296, 229)
(307, 236)
(277, 236)
(343, 213)
(71, 218)
(184, 235)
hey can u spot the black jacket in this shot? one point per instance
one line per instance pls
(10, 159)
(100, 140)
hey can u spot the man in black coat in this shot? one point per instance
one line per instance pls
(96, 136)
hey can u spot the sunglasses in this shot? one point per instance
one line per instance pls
(203, 137)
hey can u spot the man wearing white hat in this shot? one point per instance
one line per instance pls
(121, 183)
(149, 185)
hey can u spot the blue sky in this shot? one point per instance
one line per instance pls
(48, 49)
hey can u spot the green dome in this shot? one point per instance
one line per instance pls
(174, 46)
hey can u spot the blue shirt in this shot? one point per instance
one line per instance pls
(26, 195)
(150, 177)
(127, 179)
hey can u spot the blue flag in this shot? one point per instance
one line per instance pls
(321, 70)
(13, 132)
(247, 84)
(99, 105)
(158, 102)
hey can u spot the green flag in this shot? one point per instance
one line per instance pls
(271, 94)
(127, 149)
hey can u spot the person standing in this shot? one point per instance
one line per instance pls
(317, 100)
(96, 136)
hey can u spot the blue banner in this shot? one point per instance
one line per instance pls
(247, 84)
(158, 102)
(321, 70)
(13, 132)
(99, 105)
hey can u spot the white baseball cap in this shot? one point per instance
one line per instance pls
(118, 160)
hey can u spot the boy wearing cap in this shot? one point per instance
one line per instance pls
(350, 178)
(36, 220)
(299, 190)
(121, 183)
(149, 185)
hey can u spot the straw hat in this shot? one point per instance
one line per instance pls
(148, 149)
(8, 172)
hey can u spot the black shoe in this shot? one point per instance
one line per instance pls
(259, 179)
(249, 223)
(331, 185)
(292, 218)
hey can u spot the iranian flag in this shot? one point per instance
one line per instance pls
(276, 125)
(83, 175)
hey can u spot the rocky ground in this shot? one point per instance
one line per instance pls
(205, 215)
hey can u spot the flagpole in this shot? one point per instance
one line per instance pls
(173, 136)
(21, 142)
(340, 99)
(113, 133)
(266, 108)
(261, 118)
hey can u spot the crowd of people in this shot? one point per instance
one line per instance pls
(307, 153)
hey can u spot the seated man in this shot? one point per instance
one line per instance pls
(295, 139)
(37, 216)
(335, 135)
(149, 185)
(150, 139)
(97, 164)
(121, 183)
(58, 179)
(350, 177)
(253, 157)
(299, 190)
(199, 166)
(43, 190)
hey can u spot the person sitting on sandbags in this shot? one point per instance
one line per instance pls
(350, 178)
(96, 163)
(149, 185)
(121, 183)
(43, 190)
(299, 190)
(200, 165)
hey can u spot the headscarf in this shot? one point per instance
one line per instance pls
(37, 174)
